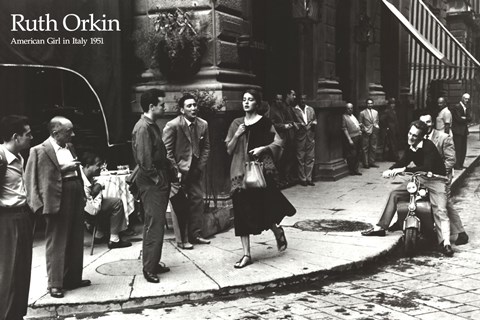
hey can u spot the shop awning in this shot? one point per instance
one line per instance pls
(435, 54)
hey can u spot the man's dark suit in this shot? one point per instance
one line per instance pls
(61, 203)
(460, 132)
(177, 137)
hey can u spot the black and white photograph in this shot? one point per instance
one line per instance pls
(245, 159)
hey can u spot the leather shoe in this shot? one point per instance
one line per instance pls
(118, 244)
(447, 250)
(150, 277)
(373, 166)
(56, 292)
(461, 239)
(310, 183)
(185, 245)
(366, 167)
(162, 268)
(81, 284)
(199, 240)
(358, 173)
(303, 183)
(374, 233)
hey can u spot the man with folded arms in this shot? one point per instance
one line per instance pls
(461, 117)
(15, 219)
(187, 142)
(424, 154)
(55, 190)
(108, 210)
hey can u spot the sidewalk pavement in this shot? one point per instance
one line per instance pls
(207, 271)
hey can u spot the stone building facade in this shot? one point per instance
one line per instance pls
(333, 51)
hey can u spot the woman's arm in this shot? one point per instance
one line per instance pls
(231, 143)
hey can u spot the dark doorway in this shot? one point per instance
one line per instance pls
(273, 26)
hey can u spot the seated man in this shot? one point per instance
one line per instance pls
(109, 210)
(424, 154)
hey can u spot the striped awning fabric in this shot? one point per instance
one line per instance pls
(475, 5)
(455, 63)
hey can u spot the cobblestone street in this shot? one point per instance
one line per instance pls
(428, 286)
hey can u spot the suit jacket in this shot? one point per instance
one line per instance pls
(177, 140)
(301, 125)
(44, 179)
(369, 124)
(459, 125)
(445, 146)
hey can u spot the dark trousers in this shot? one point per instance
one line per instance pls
(352, 153)
(287, 164)
(193, 188)
(64, 238)
(154, 198)
(460, 142)
(15, 261)
(369, 146)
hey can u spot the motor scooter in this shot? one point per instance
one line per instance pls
(416, 214)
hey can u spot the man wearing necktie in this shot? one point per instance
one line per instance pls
(188, 146)
(55, 190)
(461, 116)
(368, 119)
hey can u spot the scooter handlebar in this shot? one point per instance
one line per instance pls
(428, 174)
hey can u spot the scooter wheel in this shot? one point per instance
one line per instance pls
(410, 241)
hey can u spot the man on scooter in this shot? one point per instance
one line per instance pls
(424, 154)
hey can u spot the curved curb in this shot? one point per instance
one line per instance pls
(49, 311)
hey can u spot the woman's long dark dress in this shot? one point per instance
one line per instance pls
(256, 210)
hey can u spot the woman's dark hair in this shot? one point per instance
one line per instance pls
(256, 95)
(11, 124)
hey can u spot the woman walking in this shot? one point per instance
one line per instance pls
(249, 138)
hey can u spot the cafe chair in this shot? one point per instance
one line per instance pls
(95, 222)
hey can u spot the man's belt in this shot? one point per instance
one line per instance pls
(13, 209)
(70, 175)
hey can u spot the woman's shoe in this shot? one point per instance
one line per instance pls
(243, 262)
(281, 240)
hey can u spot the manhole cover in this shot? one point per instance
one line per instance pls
(121, 268)
(331, 225)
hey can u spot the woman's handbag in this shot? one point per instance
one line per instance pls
(254, 178)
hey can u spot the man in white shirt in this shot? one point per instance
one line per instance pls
(55, 190)
(110, 211)
(306, 123)
(444, 117)
(352, 146)
(15, 219)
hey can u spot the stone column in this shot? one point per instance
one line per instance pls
(224, 71)
(328, 102)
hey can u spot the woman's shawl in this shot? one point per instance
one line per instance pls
(239, 155)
